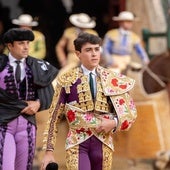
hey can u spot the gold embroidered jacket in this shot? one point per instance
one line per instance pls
(73, 99)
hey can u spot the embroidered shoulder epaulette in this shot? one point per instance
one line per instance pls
(68, 78)
(113, 34)
(114, 83)
(135, 37)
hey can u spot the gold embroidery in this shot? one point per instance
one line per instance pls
(101, 100)
(102, 107)
(68, 78)
(86, 106)
(85, 99)
(90, 105)
(84, 86)
(50, 132)
(107, 158)
(83, 78)
(72, 158)
(85, 102)
(73, 153)
(84, 96)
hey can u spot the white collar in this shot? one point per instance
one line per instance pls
(86, 71)
(124, 32)
(13, 59)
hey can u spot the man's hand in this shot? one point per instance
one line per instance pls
(106, 125)
(49, 157)
(32, 108)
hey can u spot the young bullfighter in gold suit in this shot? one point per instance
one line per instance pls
(96, 103)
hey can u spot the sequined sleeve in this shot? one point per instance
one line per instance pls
(55, 111)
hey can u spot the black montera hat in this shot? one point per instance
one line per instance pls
(18, 34)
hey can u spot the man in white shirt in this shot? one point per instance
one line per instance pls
(25, 89)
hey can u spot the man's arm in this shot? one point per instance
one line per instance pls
(142, 53)
(49, 157)
(56, 109)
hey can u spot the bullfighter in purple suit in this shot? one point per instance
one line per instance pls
(21, 96)
(96, 103)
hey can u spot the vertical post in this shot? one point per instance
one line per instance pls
(145, 35)
(166, 7)
(168, 36)
(168, 25)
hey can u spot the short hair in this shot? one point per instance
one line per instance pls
(84, 38)
(18, 34)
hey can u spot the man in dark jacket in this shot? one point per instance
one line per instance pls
(25, 89)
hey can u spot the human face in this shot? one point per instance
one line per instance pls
(19, 49)
(26, 27)
(89, 55)
(127, 25)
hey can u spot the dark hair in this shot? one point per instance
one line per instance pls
(18, 34)
(84, 38)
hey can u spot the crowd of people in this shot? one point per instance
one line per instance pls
(116, 42)
(89, 91)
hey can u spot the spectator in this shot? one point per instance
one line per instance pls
(65, 48)
(119, 43)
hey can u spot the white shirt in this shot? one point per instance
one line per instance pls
(14, 65)
(124, 32)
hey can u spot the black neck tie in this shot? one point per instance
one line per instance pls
(18, 71)
(91, 82)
